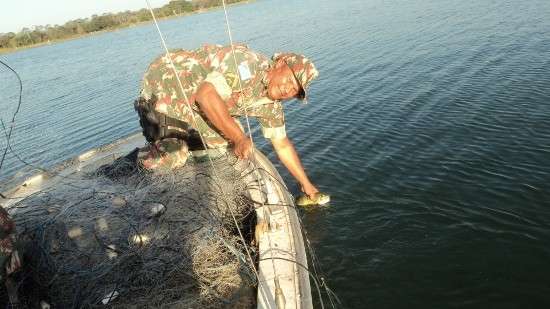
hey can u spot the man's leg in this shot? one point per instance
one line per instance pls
(171, 153)
(166, 154)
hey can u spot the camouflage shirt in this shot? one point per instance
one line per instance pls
(215, 64)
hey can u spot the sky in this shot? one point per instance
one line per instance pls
(17, 14)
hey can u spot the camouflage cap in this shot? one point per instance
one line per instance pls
(303, 69)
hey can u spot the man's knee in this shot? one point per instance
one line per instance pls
(166, 154)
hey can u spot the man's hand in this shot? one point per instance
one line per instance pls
(309, 190)
(243, 147)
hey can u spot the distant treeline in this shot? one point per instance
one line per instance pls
(108, 21)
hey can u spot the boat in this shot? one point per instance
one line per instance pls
(269, 243)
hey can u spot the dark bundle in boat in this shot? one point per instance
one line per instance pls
(120, 237)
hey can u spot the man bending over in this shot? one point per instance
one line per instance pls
(220, 85)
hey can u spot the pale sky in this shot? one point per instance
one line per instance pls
(17, 14)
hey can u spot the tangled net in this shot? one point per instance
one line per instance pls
(120, 237)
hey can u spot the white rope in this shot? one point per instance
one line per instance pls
(256, 171)
(237, 68)
(202, 139)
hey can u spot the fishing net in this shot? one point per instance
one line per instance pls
(120, 237)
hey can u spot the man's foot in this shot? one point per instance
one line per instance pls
(318, 198)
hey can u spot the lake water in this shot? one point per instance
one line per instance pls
(429, 125)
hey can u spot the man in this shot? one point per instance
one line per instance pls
(214, 84)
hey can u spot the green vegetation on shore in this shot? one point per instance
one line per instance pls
(41, 35)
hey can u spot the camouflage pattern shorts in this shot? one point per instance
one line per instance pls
(166, 154)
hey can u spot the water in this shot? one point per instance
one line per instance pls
(429, 125)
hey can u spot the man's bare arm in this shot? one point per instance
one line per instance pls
(215, 109)
(289, 157)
